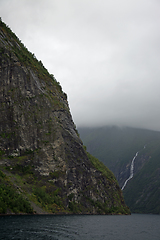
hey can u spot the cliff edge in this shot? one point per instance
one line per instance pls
(41, 154)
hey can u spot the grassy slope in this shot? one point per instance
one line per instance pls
(27, 186)
(10, 200)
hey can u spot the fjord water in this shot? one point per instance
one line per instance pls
(81, 227)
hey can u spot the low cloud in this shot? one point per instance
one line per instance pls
(105, 54)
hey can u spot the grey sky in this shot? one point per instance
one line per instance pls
(105, 54)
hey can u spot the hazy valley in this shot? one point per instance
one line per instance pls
(116, 148)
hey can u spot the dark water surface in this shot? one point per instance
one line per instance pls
(84, 227)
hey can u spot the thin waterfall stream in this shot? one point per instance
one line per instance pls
(131, 171)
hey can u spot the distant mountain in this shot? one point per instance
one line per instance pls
(116, 148)
(44, 167)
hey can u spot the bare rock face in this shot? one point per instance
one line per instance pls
(39, 141)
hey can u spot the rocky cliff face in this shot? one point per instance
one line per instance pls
(39, 145)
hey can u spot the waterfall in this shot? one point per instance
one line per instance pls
(131, 171)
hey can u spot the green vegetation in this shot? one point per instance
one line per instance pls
(37, 189)
(2, 153)
(23, 169)
(51, 202)
(75, 207)
(101, 167)
(10, 200)
(103, 208)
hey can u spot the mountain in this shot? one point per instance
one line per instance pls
(44, 165)
(117, 148)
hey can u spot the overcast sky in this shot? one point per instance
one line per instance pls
(104, 53)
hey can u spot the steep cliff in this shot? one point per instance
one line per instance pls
(40, 150)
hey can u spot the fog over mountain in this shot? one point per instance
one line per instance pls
(105, 54)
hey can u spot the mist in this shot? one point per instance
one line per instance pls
(105, 54)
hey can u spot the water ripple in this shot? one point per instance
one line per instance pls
(136, 226)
